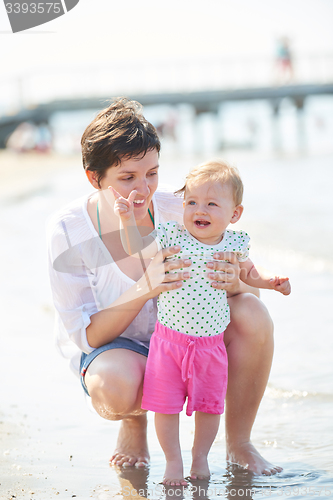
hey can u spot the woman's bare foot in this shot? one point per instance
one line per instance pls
(174, 475)
(247, 456)
(132, 447)
(199, 468)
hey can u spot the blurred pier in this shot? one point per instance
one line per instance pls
(204, 85)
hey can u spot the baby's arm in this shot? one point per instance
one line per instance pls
(259, 279)
(131, 238)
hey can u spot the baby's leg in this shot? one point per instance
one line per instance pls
(167, 430)
(206, 427)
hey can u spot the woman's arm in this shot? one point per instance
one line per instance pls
(111, 322)
(108, 324)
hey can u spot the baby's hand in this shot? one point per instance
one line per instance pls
(280, 284)
(123, 207)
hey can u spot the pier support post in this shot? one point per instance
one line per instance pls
(301, 135)
(212, 145)
(276, 133)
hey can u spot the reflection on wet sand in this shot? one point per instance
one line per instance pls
(234, 482)
(134, 484)
(239, 482)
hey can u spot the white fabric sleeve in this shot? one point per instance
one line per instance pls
(71, 290)
(170, 207)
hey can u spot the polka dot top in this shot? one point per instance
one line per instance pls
(197, 308)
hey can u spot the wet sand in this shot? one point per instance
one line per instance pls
(52, 444)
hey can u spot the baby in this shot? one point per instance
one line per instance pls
(187, 356)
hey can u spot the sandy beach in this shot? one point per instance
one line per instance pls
(54, 446)
(25, 174)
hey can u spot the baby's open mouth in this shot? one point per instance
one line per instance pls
(202, 223)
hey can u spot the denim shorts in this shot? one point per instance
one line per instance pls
(118, 343)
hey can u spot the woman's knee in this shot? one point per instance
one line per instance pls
(250, 319)
(113, 396)
(117, 391)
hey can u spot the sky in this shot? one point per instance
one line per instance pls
(105, 31)
(146, 46)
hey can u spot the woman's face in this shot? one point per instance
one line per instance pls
(137, 173)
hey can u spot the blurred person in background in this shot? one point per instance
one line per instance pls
(30, 137)
(284, 61)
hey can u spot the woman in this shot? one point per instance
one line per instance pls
(106, 300)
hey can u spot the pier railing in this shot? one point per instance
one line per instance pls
(150, 76)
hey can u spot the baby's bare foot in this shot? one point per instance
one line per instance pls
(132, 448)
(199, 468)
(245, 455)
(174, 475)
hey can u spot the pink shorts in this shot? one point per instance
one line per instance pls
(181, 366)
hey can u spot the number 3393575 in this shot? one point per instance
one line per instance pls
(33, 8)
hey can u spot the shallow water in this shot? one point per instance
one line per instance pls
(288, 214)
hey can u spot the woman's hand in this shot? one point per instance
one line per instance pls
(225, 274)
(157, 277)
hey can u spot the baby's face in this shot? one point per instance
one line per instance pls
(208, 210)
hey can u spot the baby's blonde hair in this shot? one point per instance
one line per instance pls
(215, 171)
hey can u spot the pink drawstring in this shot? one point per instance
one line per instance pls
(187, 362)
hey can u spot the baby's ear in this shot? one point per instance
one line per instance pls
(237, 214)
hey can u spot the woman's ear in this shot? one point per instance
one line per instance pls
(237, 214)
(92, 178)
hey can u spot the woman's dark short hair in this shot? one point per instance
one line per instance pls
(119, 131)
